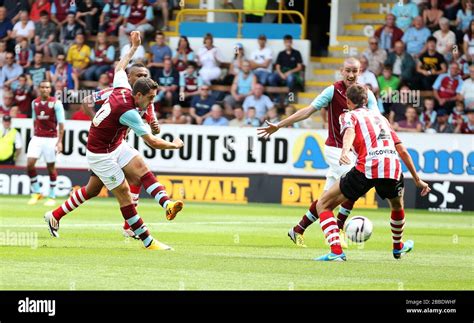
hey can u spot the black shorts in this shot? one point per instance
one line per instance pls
(354, 184)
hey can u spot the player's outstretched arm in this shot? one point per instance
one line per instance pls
(158, 143)
(136, 41)
(299, 115)
(405, 156)
(347, 141)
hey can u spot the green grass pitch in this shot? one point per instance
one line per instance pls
(226, 247)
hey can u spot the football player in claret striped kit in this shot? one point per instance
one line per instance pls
(378, 149)
(332, 101)
(48, 118)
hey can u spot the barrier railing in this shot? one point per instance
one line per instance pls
(240, 13)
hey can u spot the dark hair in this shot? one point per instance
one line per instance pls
(357, 94)
(208, 36)
(287, 37)
(432, 38)
(469, 32)
(22, 75)
(44, 13)
(193, 64)
(136, 66)
(159, 33)
(388, 67)
(144, 85)
(188, 47)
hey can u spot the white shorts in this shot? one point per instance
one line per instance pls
(42, 146)
(108, 166)
(332, 156)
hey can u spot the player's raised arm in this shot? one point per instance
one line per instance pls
(136, 41)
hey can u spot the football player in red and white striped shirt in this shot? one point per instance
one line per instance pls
(377, 147)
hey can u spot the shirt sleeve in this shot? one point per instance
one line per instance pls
(127, 12)
(459, 88)
(437, 83)
(372, 101)
(323, 99)
(132, 119)
(101, 96)
(53, 9)
(33, 113)
(111, 53)
(121, 80)
(347, 120)
(149, 13)
(59, 111)
(106, 8)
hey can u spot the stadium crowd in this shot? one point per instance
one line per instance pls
(426, 46)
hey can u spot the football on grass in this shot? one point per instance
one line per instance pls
(359, 229)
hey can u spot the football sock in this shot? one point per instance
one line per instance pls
(307, 219)
(331, 231)
(135, 192)
(35, 187)
(344, 211)
(52, 184)
(397, 222)
(76, 199)
(155, 189)
(130, 215)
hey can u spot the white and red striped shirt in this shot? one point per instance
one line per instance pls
(374, 143)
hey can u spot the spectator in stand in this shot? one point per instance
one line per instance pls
(366, 76)
(64, 74)
(415, 38)
(457, 117)
(23, 96)
(430, 65)
(468, 43)
(272, 115)
(101, 58)
(251, 119)
(38, 72)
(14, 8)
(445, 39)
(24, 54)
(287, 66)
(189, 84)
(103, 82)
(239, 118)
(138, 16)
(6, 28)
(112, 17)
(168, 79)
(241, 88)
(376, 56)
(387, 81)
(60, 10)
(432, 15)
(467, 127)
(87, 15)
(441, 124)
(405, 11)
(8, 107)
(464, 18)
(261, 60)
(37, 8)
(410, 123)
(236, 65)
(389, 33)
(459, 58)
(10, 142)
(447, 86)
(45, 36)
(164, 7)
(201, 105)
(403, 65)
(209, 58)
(69, 31)
(398, 109)
(216, 118)
(24, 27)
(259, 101)
(79, 54)
(138, 57)
(428, 116)
(160, 51)
(10, 72)
(450, 8)
(467, 90)
(3, 52)
(177, 117)
(183, 54)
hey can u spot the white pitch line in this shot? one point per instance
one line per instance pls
(118, 224)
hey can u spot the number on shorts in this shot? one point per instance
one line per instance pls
(102, 114)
